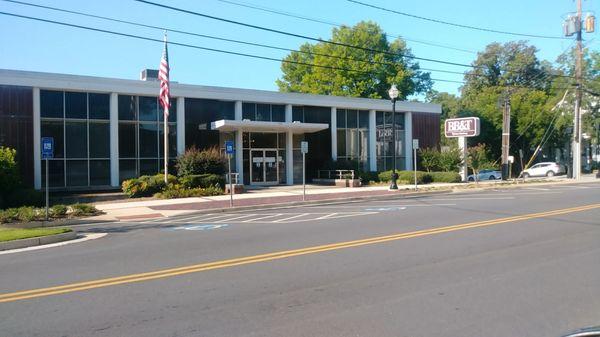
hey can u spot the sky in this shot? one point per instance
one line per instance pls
(37, 46)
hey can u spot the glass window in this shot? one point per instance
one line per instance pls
(341, 142)
(172, 141)
(57, 173)
(127, 108)
(99, 140)
(278, 113)
(281, 138)
(99, 172)
(127, 140)
(77, 173)
(249, 111)
(172, 111)
(148, 140)
(341, 118)
(76, 141)
(149, 166)
(363, 119)
(352, 119)
(379, 119)
(263, 112)
(263, 140)
(76, 105)
(127, 169)
(148, 108)
(54, 129)
(51, 104)
(298, 114)
(352, 143)
(99, 106)
(296, 140)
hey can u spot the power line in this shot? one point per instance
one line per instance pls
(298, 35)
(335, 24)
(162, 28)
(453, 23)
(195, 46)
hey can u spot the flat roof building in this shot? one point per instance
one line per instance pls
(106, 130)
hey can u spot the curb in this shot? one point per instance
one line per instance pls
(57, 223)
(42, 240)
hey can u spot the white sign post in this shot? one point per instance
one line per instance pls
(229, 151)
(415, 147)
(304, 150)
(462, 128)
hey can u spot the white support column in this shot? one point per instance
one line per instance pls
(114, 139)
(180, 125)
(372, 141)
(289, 149)
(239, 147)
(408, 152)
(37, 134)
(462, 146)
(334, 133)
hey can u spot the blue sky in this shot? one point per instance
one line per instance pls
(36, 46)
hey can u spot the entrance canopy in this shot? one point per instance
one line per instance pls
(257, 126)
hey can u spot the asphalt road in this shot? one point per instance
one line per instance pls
(515, 262)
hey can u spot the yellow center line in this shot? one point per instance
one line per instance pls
(106, 282)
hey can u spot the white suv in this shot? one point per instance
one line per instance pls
(548, 169)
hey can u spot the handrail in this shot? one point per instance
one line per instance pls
(337, 174)
(235, 176)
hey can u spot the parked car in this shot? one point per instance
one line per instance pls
(547, 169)
(486, 175)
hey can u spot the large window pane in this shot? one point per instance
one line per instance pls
(99, 105)
(263, 112)
(148, 109)
(99, 140)
(54, 129)
(172, 111)
(77, 173)
(127, 140)
(341, 118)
(298, 114)
(249, 111)
(76, 139)
(148, 140)
(51, 104)
(99, 172)
(363, 119)
(127, 169)
(148, 166)
(172, 140)
(341, 142)
(127, 108)
(352, 119)
(352, 143)
(263, 140)
(57, 173)
(278, 113)
(76, 105)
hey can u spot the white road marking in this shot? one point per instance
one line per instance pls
(290, 218)
(537, 188)
(264, 217)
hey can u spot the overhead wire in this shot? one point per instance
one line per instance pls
(460, 25)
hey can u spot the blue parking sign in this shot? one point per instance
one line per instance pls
(47, 147)
(229, 147)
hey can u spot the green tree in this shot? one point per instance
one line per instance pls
(346, 71)
(478, 159)
(429, 158)
(450, 159)
(451, 108)
(9, 173)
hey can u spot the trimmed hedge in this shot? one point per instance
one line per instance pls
(146, 186)
(445, 177)
(175, 191)
(27, 213)
(202, 181)
(408, 177)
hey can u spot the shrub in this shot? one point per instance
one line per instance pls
(83, 209)
(176, 191)
(26, 214)
(58, 211)
(195, 161)
(450, 160)
(367, 176)
(202, 181)
(9, 174)
(8, 215)
(146, 186)
(429, 159)
(407, 177)
(445, 177)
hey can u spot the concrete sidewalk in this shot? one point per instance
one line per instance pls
(135, 210)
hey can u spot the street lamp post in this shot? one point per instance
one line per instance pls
(393, 92)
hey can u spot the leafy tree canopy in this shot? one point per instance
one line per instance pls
(346, 71)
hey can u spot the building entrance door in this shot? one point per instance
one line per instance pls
(264, 169)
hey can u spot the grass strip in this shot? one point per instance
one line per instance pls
(9, 234)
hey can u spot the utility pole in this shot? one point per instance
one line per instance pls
(577, 115)
(505, 136)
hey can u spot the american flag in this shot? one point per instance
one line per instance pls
(163, 76)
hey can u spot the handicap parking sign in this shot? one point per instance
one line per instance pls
(47, 147)
(229, 147)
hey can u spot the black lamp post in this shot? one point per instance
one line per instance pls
(393, 92)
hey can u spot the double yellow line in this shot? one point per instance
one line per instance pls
(106, 282)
